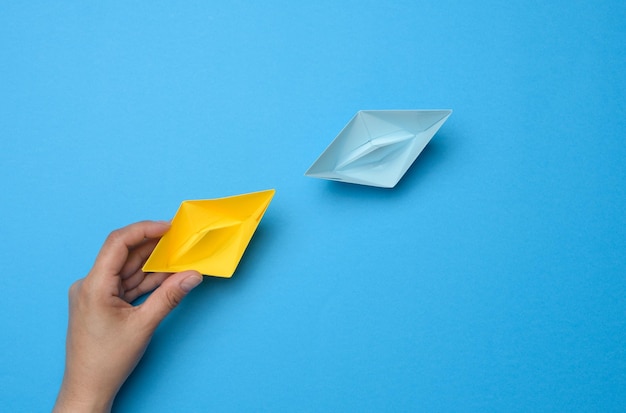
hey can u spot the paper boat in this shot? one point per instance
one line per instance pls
(377, 147)
(210, 236)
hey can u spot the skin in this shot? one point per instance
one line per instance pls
(107, 336)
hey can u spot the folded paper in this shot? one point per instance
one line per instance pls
(377, 147)
(210, 236)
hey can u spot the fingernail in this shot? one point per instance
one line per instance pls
(190, 282)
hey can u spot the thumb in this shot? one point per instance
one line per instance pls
(169, 294)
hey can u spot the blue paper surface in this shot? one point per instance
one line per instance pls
(491, 278)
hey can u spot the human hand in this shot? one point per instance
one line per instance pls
(107, 335)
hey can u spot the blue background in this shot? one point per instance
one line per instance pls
(492, 278)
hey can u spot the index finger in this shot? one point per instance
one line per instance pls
(115, 250)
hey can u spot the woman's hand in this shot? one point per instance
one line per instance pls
(107, 335)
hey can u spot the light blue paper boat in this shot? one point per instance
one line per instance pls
(377, 147)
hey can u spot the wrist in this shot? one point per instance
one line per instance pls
(72, 399)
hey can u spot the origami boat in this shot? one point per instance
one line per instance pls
(210, 235)
(377, 147)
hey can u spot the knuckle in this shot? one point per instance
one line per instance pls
(74, 288)
(114, 236)
(172, 299)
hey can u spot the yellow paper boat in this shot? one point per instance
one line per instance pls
(210, 236)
